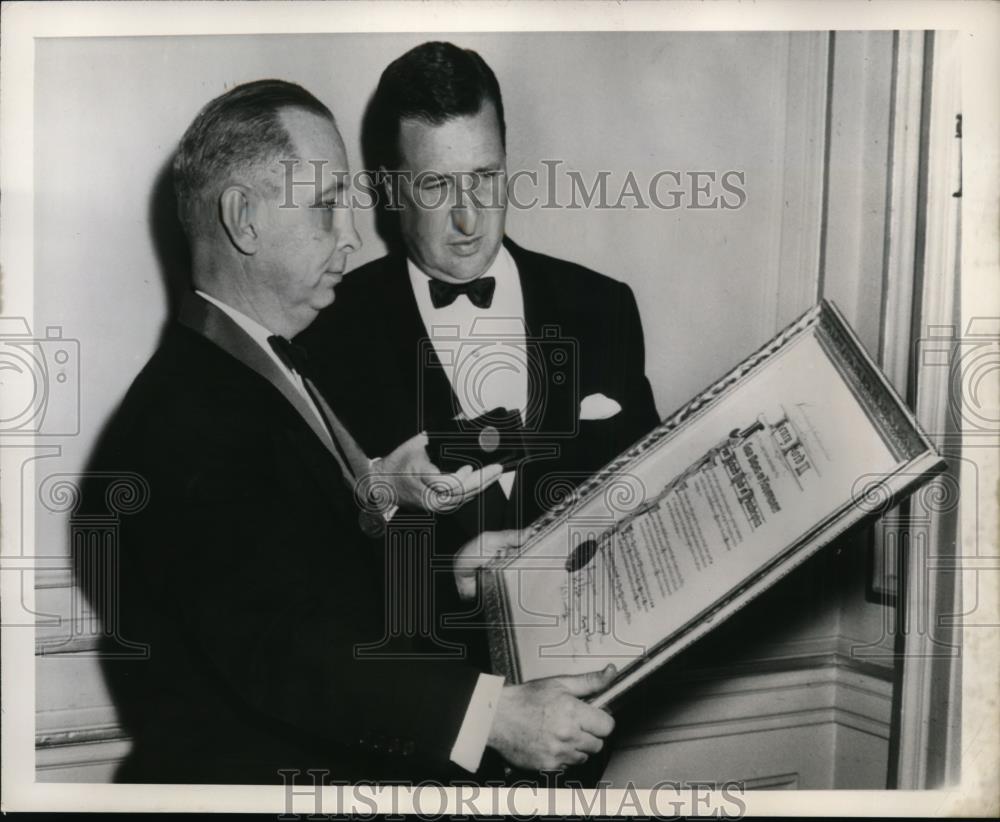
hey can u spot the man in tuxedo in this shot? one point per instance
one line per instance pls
(458, 320)
(248, 577)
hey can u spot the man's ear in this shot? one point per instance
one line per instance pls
(237, 212)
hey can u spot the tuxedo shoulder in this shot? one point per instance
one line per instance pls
(363, 291)
(188, 375)
(572, 273)
(185, 357)
(177, 408)
(380, 266)
(368, 277)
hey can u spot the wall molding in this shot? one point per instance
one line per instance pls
(793, 286)
(903, 207)
(812, 683)
(806, 696)
(818, 727)
(65, 622)
(61, 577)
(110, 732)
(834, 649)
(80, 762)
(930, 714)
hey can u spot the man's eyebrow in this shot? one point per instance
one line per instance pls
(433, 177)
(440, 175)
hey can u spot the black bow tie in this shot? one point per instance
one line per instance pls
(479, 292)
(292, 355)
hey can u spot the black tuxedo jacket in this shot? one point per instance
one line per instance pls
(370, 353)
(249, 581)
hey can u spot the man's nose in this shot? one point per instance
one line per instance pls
(348, 239)
(465, 218)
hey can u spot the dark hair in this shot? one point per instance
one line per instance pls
(433, 82)
(233, 134)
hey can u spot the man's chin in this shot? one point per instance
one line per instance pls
(469, 268)
(323, 299)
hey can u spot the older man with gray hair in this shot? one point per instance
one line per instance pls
(252, 576)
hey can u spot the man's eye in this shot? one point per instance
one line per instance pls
(434, 182)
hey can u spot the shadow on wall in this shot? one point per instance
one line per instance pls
(375, 129)
(169, 241)
(96, 560)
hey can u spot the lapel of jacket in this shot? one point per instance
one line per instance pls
(432, 395)
(552, 404)
(206, 319)
(537, 310)
(551, 396)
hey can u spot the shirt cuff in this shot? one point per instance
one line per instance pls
(475, 731)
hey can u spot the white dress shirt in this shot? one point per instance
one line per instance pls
(484, 355)
(482, 350)
(474, 732)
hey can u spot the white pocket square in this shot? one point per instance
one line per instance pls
(598, 407)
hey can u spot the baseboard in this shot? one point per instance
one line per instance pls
(814, 726)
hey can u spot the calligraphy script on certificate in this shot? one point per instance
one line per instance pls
(801, 441)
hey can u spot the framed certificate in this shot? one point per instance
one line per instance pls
(802, 440)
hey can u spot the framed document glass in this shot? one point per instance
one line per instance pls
(802, 440)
